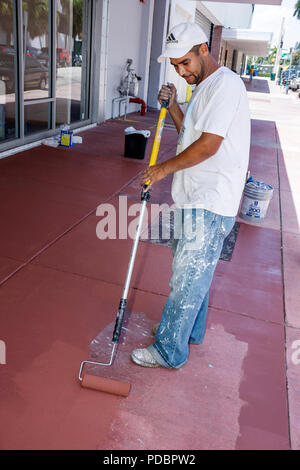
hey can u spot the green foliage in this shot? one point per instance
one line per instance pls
(6, 13)
(77, 18)
(6, 9)
(38, 13)
(297, 10)
(296, 57)
(264, 74)
(270, 59)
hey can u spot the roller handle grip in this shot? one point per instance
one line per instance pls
(165, 103)
(119, 321)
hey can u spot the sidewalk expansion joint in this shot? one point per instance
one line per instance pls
(283, 288)
(247, 315)
(48, 245)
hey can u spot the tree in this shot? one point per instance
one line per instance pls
(6, 14)
(297, 10)
(77, 18)
(296, 57)
(272, 55)
(64, 17)
(38, 13)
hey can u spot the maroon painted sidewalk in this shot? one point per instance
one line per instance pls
(60, 287)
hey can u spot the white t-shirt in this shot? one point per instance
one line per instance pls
(219, 105)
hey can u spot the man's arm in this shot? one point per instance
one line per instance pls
(202, 149)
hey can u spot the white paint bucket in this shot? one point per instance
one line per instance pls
(257, 196)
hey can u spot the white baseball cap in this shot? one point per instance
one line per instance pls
(181, 39)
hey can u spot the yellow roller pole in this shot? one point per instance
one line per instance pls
(158, 134)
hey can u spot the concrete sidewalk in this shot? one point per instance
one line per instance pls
(61, 285)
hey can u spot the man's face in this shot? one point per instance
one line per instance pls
(191, 67)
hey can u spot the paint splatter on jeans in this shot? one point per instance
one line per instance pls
(196, 253)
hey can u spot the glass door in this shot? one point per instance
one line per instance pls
(37, 27)
(8, 72)
(72, 60)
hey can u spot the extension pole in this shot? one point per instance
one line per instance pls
(103, 384)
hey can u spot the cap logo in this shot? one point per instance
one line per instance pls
(171, 39)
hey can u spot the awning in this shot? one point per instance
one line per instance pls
(256, 2)
(248, 41)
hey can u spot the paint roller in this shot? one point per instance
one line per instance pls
(106, 384)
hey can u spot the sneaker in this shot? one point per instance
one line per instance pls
(144, 358)
(155, 328)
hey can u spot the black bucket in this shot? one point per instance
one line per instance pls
(135, 145)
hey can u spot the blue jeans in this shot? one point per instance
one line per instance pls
(196, 253)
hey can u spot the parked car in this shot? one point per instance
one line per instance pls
(295, 82)
(39, 54)
(6, 49)
(35, 75)
(34, 51)
(43, 59)
(63, 57)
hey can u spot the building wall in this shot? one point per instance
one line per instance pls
(231, 15)
(129, 37)
(216, 42)
(138, 30)
(237, 65)
(222, 53)
(226, 54)
(228, 58)
(159, 33)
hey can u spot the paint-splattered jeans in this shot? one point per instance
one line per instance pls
(196, 253)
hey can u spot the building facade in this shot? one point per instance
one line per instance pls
(61, 61)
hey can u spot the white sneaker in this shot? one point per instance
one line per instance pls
(144, 358)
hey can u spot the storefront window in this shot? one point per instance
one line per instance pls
(71, 61)
(7, 72)
(44, 66)
(37, 118)
(36, 50)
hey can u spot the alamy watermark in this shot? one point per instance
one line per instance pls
(2, 352)
(160, 221)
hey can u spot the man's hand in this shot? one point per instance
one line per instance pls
(153, 174)
(168, 92)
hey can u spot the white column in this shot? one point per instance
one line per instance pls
(279, 48)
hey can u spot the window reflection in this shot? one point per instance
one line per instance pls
(37, 118)
(36, 25)
(36, 57)
(7, 71)
(71, 58)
